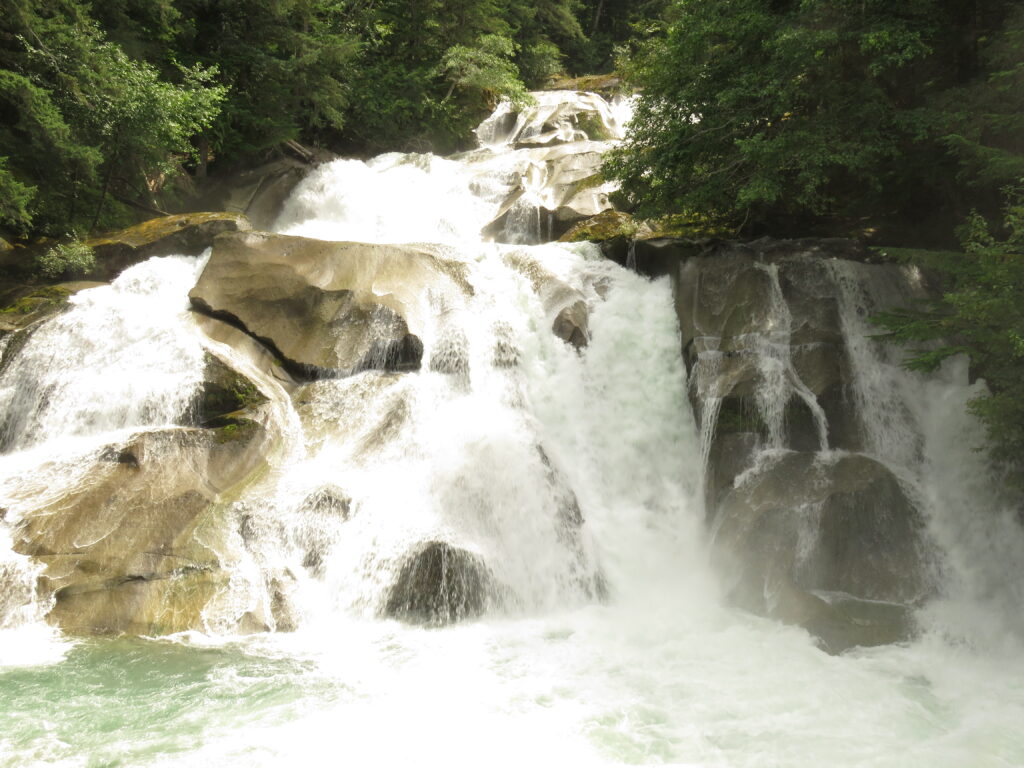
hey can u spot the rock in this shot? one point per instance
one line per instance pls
(565, 305)
(440, 584)
(326, 308)
(248, 349)
(556, 117)
(797, 525)
(187, 234)
(136, 546)
(224, 391)
(23, 305)
(328, 504)
(604, 226)
(368, 411)
(605, 85)
(257, 193)
(653, 256)
(552, 189)
(740, 316)
(571, 325)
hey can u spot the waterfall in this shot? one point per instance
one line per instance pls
(500, 551)
(920, 426)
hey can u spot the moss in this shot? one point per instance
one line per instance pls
(156, 229)
(689, 226)
(736, 415)
(224, 391)
(233, 427)
(41, 299)
(604, 226)
(592, 125)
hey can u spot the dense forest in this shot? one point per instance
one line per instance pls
(102, 101)
(898, 123)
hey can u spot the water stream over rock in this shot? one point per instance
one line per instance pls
(401, 481)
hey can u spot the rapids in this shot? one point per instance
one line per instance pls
(614, 643)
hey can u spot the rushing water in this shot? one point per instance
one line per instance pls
(659, 671)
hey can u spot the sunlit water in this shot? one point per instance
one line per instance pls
(660, 672)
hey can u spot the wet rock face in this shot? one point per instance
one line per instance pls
(136, 546)
(554, 180)
(257, 193)
(327, 309)
(554, 189)
(564, 305)
(842, 525)
(806, 530)
(767, 325)
(800, 526)
(440, 584)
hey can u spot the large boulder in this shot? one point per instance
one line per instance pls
(327, 308)
(136, 544)
(800, 526)
(439, 584)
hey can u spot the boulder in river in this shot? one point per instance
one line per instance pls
(440, 584)
(327, 308)
(798, 526)
(136, 545)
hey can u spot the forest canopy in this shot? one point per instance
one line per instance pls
(835, 116)
(101, 101)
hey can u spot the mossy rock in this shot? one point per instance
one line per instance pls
(592, 125)
(24, 305)
(606, 85)
(604, 226)
(234, 427)
(223, 391)
(188, 234)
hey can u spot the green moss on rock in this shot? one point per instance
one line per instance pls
(234, 427)
(604, 226)
(223, 391)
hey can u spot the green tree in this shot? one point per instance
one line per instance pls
(288, 65)
(792, 114)
(980, 314)
(81, 122)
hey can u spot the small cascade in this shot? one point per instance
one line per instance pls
(555, 117)
(19, 577)
(780, 382)
(121, 357)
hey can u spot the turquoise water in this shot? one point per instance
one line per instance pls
(600, 686)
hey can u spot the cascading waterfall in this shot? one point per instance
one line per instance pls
(556, 481)
(919, 425)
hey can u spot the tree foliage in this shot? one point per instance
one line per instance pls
(980, 314)
(783, 114)
(100, 103)
(80, 120)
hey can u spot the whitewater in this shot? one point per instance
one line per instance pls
(616, 644)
